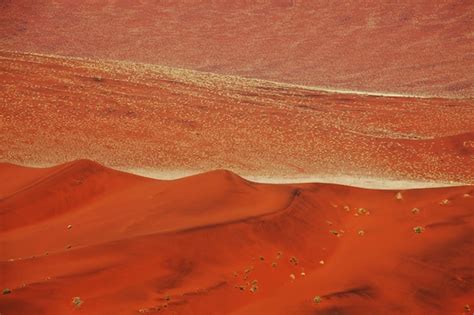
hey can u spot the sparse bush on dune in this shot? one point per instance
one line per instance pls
(415, 210)
(418, 229)
(77, 301)
(445, 202)
(293, 260)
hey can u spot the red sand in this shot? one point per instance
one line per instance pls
(138, 116)
(421, 47)
(139, 245)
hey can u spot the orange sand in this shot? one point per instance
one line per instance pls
(139, 245)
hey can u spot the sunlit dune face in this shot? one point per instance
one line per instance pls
(80, 237)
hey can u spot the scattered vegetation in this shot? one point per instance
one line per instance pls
(399, 196)
(261, 258)
(418, 229)
(274, 264)
(467, 308)
(415, 210)
(444, 202)
(254, 286)
(6, 291)
(77, 302)
(292, 276)
(335, 232)
(247, 272)
(362, 211)
(317, 299)
(361, 232)
(293, 260)
(69, 227)
(321, 262)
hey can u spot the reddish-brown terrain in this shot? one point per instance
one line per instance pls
(421, 47)
(139, 140)
(215, 243)
(145, 118)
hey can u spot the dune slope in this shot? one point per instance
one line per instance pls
(215, 243)
(421, 47)
(145, 118)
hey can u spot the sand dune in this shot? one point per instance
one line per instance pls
(138, 245)
(236, 157)
(149, 118)
(421, 47)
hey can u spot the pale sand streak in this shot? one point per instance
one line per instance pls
(355, 181)
(232, 78)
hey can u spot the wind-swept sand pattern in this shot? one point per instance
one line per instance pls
(122, 244)
(144, 117)
(421, 47)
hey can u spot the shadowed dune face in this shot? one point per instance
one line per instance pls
(135, 245)
(145, 118)
(415, 47)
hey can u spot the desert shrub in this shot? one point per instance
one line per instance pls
(77, 302)
(418, 229)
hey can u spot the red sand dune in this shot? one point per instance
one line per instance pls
(421, 47)
(144, 117)
(139, 245)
